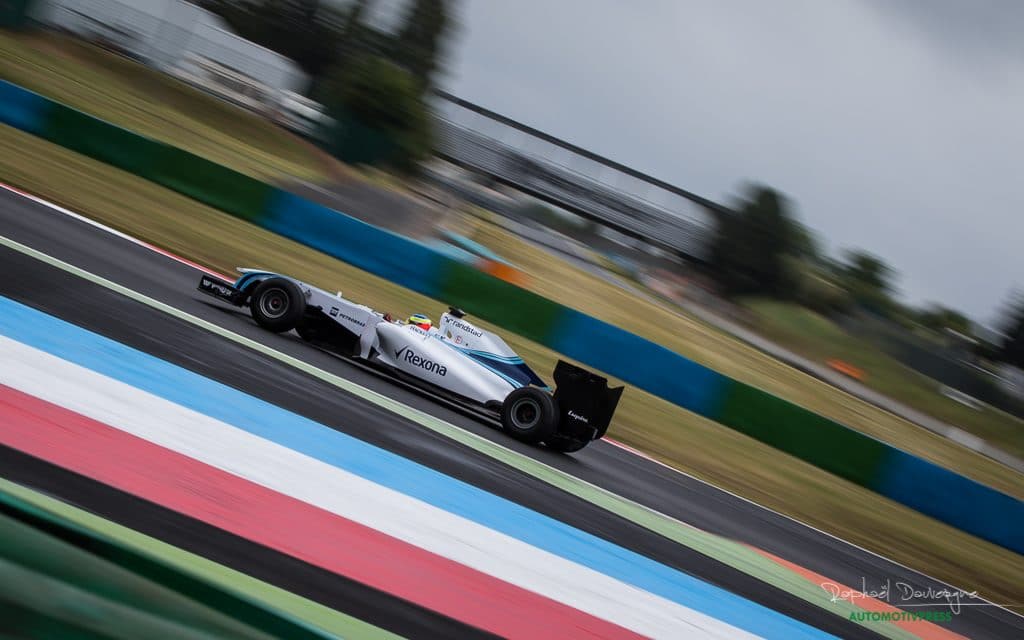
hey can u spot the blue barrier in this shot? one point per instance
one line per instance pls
(405, 262)
(952, 498)
(640, 362)
(22, 109)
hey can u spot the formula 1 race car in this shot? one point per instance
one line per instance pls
(454, 360)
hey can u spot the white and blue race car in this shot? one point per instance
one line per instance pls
(454, 359)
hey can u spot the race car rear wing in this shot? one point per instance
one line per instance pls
(585, 401)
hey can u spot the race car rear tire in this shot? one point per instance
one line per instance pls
(530, 414)
(277, 305)
(565, 444)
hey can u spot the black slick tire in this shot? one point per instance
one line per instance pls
(277, 305)
(530, 415)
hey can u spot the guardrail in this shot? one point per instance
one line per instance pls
(891, 472)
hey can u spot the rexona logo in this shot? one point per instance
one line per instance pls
(578, 417)
(410, 356)
(465, 327)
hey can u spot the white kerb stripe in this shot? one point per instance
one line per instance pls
(271, 465)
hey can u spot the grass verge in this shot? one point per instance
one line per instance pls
(133, 96)
(700, 447)
(814, 336)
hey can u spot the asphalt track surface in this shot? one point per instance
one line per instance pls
(100, 310)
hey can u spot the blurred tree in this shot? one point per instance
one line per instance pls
(869, 270)
(750, 245)
(812, 286)
(807, 245)
(355, 34)
(354, 22)
(1011, 348)
(307, 31)
(14, 14)
(417, 45)
(939, 318)
(322, 36)
(377, 96)
(869, 281)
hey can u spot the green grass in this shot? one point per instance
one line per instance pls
(680, 438)
(816, 337)
(135, 97)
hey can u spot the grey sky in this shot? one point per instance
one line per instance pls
(896, 126)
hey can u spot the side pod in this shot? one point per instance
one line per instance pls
(585, 401)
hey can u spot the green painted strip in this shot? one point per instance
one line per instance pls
(45, 607)
(252, 613)
(57, 581)
(726, 551)
(309, 612)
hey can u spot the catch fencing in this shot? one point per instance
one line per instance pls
(573, 178)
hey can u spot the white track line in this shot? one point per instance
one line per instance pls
(624, 447)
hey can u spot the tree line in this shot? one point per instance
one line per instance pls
(760, 248)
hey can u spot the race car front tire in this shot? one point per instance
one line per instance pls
(277, 305)
(530, 414)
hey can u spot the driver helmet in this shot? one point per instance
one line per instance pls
(420, 320)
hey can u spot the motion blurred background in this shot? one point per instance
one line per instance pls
(355, 105)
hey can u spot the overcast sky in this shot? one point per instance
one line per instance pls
(895, 126)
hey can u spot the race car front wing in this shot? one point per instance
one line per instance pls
(221, 289)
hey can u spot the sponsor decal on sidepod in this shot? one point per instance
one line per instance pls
(418, 361)
(464, 327)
